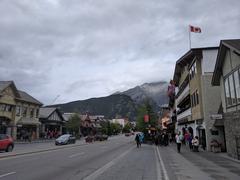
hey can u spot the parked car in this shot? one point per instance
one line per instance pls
(65, 139)
(6, 143)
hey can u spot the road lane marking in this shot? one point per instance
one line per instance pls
(165, 175)
(78, 154)
(101, 170)
(159, 173)
(7, 174)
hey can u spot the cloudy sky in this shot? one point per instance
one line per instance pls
(80, 49)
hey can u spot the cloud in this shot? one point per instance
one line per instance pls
(84, 48)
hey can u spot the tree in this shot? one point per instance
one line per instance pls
(145, 109)
(73, 125)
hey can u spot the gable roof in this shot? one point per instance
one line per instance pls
(45, 112)
(5, 84)
(233, 44)
(28, 98)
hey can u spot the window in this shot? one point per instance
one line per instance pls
(232, 88)
(237, 85)
(18, 110)
(194, 99)
(24, 111)
(8, 108)
(193, 71)
(232, 91)
(227, 93)
(37, 112)
(2, 107)
(31, 112)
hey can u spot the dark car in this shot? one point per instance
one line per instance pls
(65, 139)
(6, 143)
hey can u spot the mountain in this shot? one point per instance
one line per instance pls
(120, 104)
(156, 92)
(111, 106)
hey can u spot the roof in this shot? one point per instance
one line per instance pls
(4, 84)
(233, 44)
(187, 59)
(45, 112)
(26, 97)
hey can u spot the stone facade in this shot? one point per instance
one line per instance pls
(232, 133)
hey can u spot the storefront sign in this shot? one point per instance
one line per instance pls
(216, 116)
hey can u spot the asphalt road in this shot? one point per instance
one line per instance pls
(115, 159)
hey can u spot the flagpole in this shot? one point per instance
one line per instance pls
(189, 36)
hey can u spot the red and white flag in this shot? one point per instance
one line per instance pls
(194, 29)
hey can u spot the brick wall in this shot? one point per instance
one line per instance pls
(232, 130)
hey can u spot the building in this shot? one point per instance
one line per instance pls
(51, 121)
(122, 122)
(18, 112)
(196, 99)
(227, 76)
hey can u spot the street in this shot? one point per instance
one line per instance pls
(118, 158)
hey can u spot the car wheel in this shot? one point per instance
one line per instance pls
(9, 148)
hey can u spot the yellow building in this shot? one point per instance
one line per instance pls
(18, 112)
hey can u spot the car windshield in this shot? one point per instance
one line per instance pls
(63, 137)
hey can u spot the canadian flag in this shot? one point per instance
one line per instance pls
(194, 29)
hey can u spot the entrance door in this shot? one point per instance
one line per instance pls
(202, 138)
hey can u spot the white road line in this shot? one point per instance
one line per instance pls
(101, 170)
(159, 174)
(7, 174)
(78, 154)
(162, 165)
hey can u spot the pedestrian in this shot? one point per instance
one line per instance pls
(195, 143)
(165, 138)
(179, 139)
(190, 142)
(137, 139)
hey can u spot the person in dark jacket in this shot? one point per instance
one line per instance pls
(137, 139)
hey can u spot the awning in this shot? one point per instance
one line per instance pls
(28, 121)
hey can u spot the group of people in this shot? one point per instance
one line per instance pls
(162, 139)
(192, 142)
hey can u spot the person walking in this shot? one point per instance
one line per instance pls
(179, 139)
(137, 139)
(190, 142)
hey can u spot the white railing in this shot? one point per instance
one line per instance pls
(184, 114)
(183, 95)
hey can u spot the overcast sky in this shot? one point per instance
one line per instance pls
(80, 49)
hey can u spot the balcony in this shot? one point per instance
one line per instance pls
(184, 114)
(183, 94)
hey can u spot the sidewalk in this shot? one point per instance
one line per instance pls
(196, 165)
